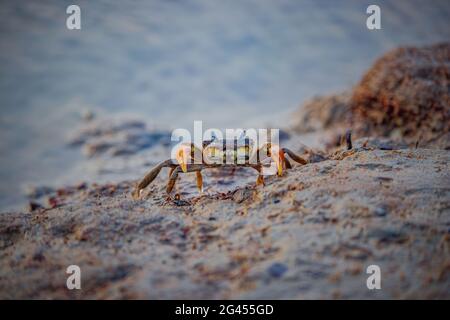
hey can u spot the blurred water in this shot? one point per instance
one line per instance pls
(228, 63)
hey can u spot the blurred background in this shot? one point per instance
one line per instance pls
(228, 63)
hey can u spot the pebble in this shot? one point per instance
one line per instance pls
(277, 269)
(381, 211)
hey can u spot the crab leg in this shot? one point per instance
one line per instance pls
(173, 179)
(150, 176)
(287, 163)
(260, 179)
(178, 169)
(199, 181)
(277, 155)
(293, 156)
(171, 171)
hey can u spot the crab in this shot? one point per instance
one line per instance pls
(215, 153)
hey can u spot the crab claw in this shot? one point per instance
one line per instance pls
(277, 156)
(182, 155)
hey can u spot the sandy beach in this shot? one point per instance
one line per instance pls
(87, 114)
(377, 199)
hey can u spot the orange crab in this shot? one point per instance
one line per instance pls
(217, 153)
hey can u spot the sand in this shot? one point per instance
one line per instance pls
(308, 234)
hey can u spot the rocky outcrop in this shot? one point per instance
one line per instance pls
(322, 113)
(406, 93)
(405, 96)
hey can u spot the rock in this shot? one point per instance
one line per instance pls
(321, 113)
(405, 95)
(381, 211)
(277, 270)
